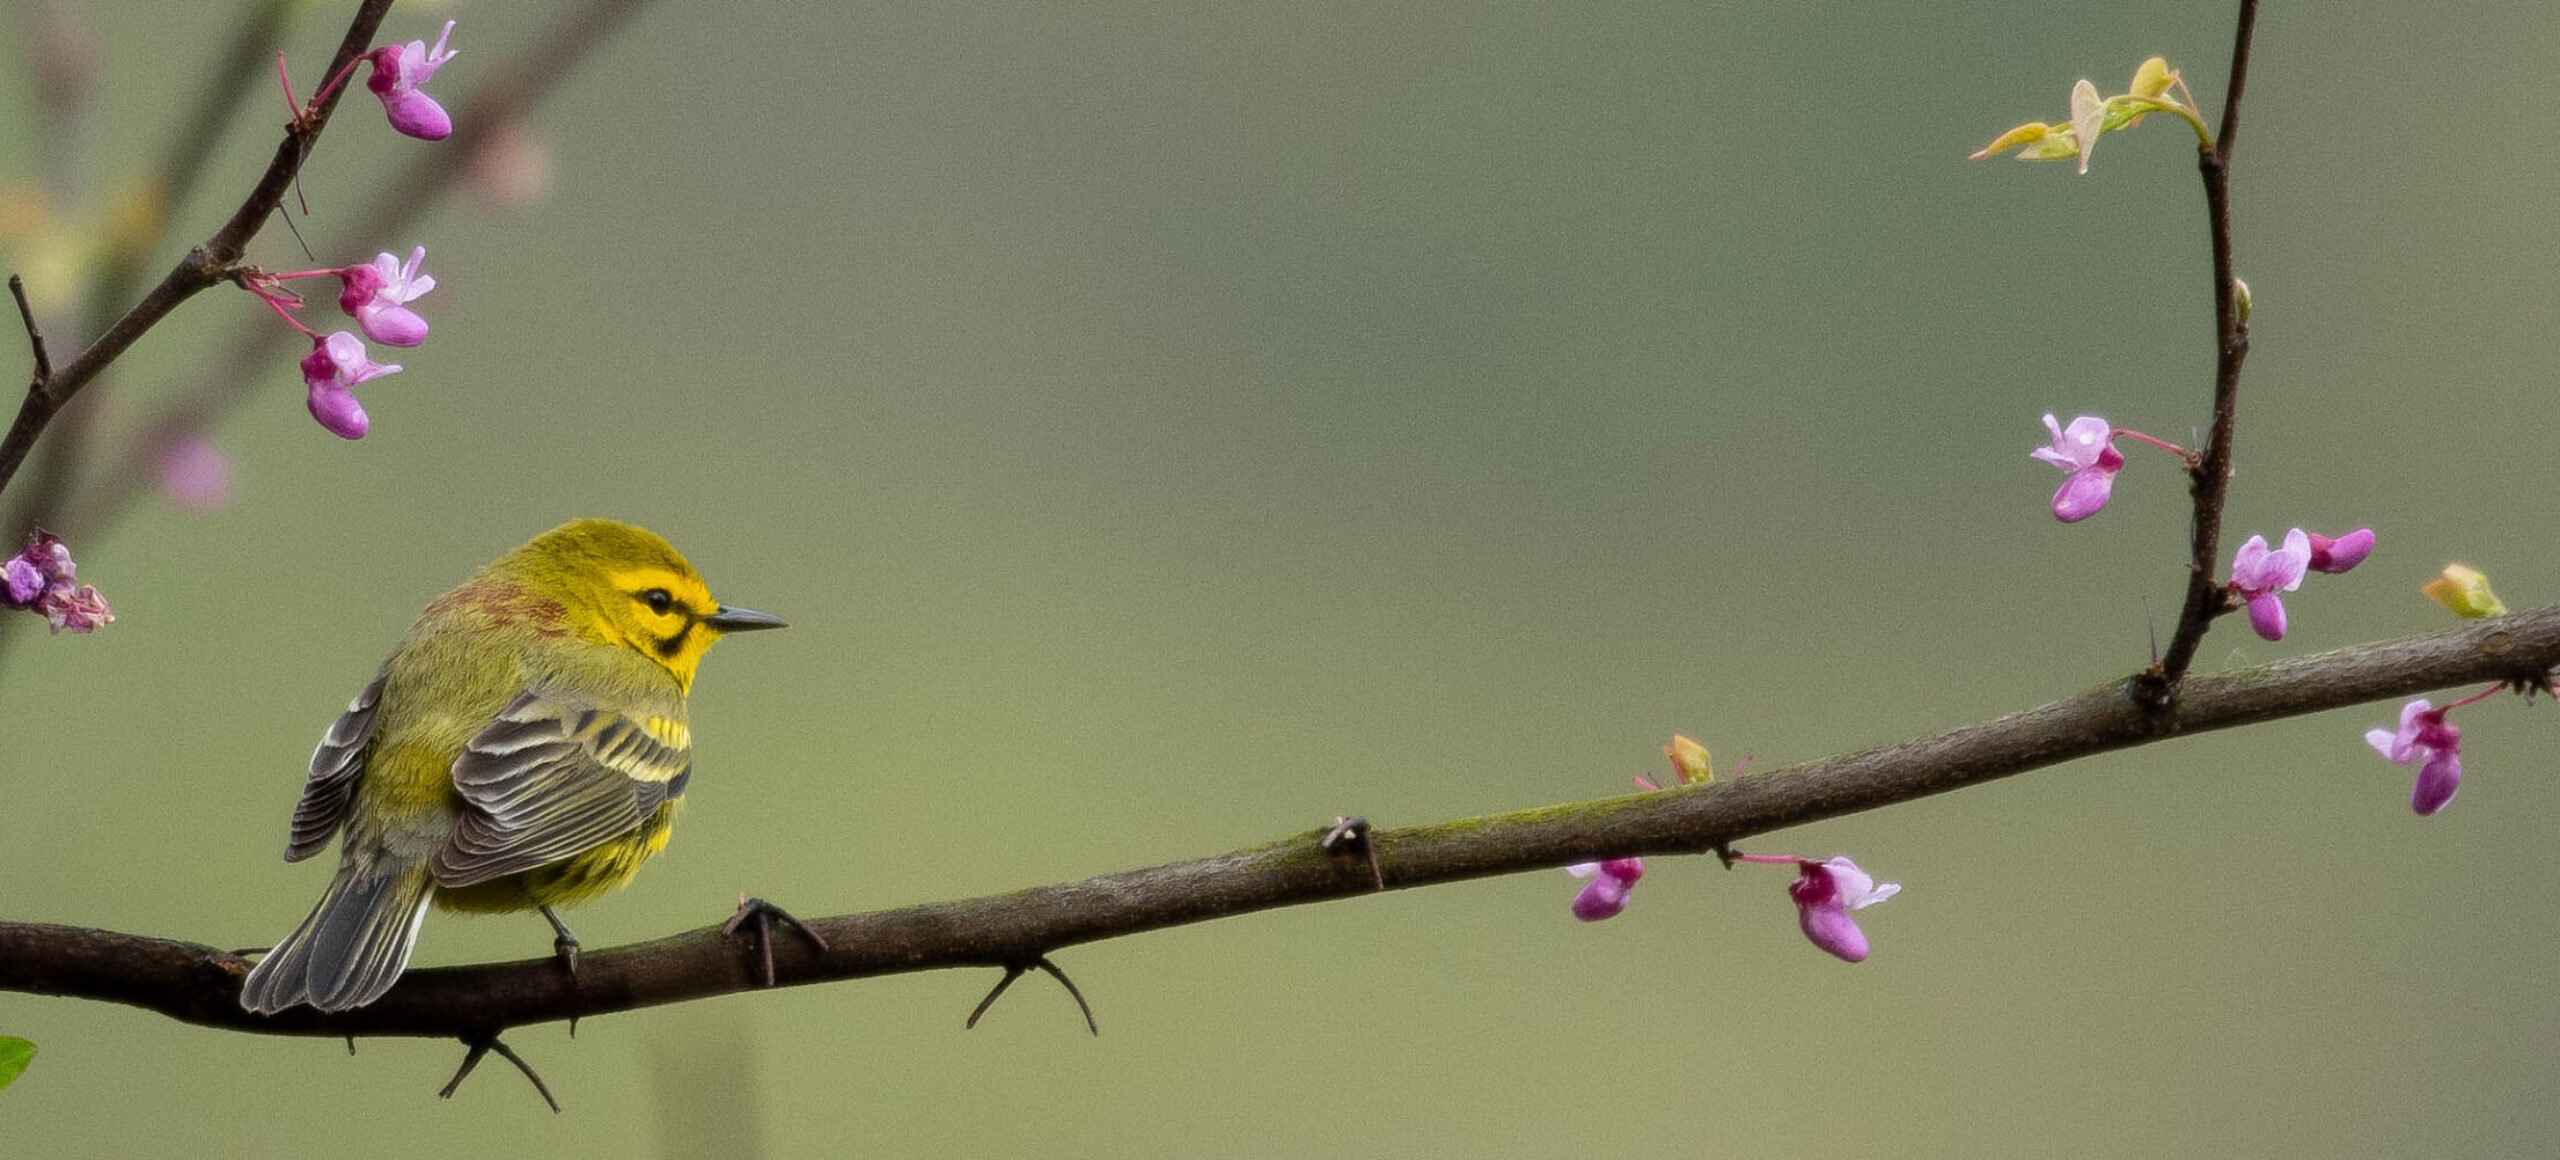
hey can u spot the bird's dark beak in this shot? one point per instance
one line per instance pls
(743, 619)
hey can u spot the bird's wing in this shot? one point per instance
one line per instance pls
(336, 766)
(552, 778)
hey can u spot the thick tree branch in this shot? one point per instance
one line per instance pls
(2210, 476)
(201, 268)
(200, 984)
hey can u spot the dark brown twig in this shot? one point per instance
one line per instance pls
(2210, 477)
(35, 334)
(201, 985)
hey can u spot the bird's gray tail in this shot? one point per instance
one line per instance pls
(352, 948)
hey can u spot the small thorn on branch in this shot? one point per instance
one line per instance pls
(484, 1044)
(1014, 971)
(764, 915)
(1349, 838)
(35, 336)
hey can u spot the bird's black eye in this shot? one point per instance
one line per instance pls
(659, 600)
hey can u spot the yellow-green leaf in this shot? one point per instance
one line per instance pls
(2153, 78)
(1689, 760)
(2465, 591)
(15, 1055)
(2087, 112)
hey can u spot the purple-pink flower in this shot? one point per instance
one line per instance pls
(398, 71)
(2340, 554)
(42, 579)
(2086, 453)
(2425, 739)
(2258, 573)
(377, 297)
(1606, 895)
(1825, 893)
(336, 364)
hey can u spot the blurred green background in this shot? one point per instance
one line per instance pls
(1170, 426)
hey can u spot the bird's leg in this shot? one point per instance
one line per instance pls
(762, 915)
(566, 945)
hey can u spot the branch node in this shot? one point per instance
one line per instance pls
(1349, 838)
(1016, 970)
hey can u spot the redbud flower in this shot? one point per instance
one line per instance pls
(40, 579)
(398, 70)
(2340, 554)
(1607, 893)
(195, 475)
(2427, 740)
(1825, 893)
(336, 364)
(2089, 461)
(377, 297)
(2258, 573)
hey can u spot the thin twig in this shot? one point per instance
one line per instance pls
(201, 985)
(35, 334)
(2210, 478)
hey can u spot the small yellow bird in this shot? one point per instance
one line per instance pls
(524, 748)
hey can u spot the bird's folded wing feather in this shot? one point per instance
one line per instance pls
(551, 778)
(336, 766)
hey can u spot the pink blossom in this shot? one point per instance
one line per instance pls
(336, 364)
(1825, 893)
(377, 297)
(1607, 893)
(2086, 453)
(2340, 554)
(41, 579)
(2427, 740)
(398, 71)
(2259, 573)
(195, 474)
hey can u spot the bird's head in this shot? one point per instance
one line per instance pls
(622, 585)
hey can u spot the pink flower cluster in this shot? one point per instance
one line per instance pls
(1824, 893)
(2260, 573)
(2086, 452)
(41, 579)
(375, 294)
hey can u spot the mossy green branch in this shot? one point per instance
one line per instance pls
(200, 984)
